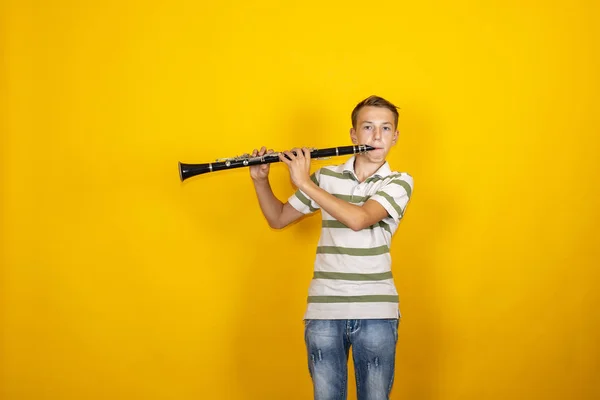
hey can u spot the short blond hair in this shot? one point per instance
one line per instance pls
(374, 101)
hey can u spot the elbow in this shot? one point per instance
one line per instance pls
(356, 225)
(359, 223)
(276, 224)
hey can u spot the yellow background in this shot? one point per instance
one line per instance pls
(120, 282)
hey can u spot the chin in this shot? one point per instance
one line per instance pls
(376, 157)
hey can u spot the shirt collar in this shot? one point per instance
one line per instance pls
(382, 172)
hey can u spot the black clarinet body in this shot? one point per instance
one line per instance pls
(188, 170)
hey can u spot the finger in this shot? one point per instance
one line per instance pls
(306, 153)
(298, 152)
(283, 159)
(262, 151)
(289, 154)
(254, 153)
(270, 151)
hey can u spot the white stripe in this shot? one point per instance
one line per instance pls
(353, 264)
(351, 310)
(329, 287)
(346, 237)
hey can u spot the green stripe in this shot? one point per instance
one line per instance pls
(352, 251)
(392, 202)
(351, 198)
(325, 171)
(373, 179)
(383, 225)
(314, 179)
(377, 298)
(404, 184)
(376, 178)
(332, 223)
(353, 277)
(304, 200)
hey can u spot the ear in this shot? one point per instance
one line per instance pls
(395, 137)
(353, 136)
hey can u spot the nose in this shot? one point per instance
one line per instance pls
(377, 133)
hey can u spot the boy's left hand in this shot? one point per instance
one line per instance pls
(299, 165)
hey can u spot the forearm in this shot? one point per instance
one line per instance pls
(351, 215)
(270, 205)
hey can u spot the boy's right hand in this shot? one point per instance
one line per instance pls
(260, 172)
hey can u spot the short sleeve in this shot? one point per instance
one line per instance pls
(394, 195)
(301, 202)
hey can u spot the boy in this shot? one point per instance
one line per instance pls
(352, 299)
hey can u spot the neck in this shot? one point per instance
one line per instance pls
(363, 168)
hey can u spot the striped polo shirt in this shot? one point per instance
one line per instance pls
(352, 270)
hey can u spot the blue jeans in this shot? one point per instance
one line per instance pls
(373, 343)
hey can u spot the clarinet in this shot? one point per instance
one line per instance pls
(188, 170)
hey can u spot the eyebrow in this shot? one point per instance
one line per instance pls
(370, 122)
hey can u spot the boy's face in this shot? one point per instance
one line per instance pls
(375, 127)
